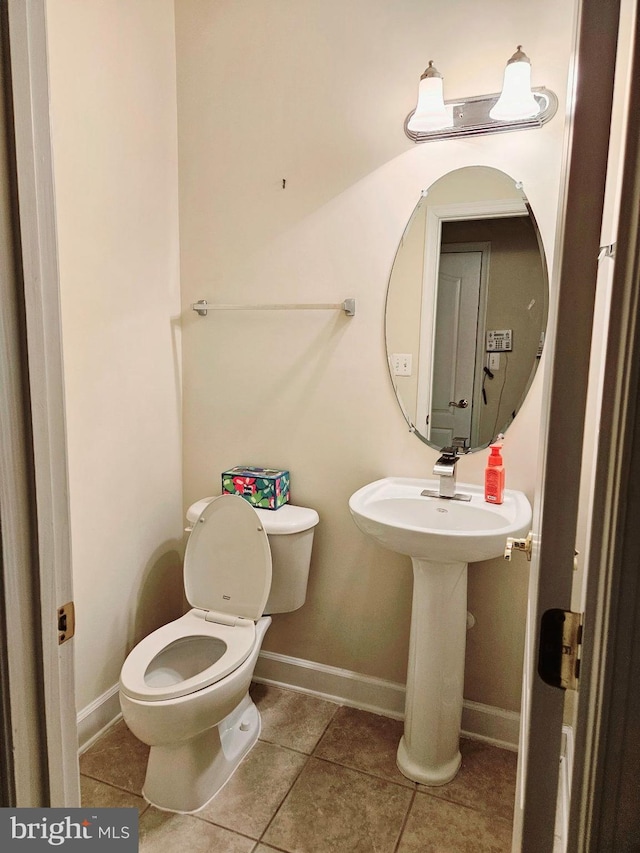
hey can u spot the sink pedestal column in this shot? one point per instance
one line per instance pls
(429, 750)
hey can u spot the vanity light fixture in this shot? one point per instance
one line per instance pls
(516, 100)
(430, 113)
(517, 107)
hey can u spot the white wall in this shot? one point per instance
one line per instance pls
(316, 93)
(113, 104)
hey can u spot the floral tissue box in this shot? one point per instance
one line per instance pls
(264, 488)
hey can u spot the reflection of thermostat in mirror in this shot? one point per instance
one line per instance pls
(401, 363)
(500, 340)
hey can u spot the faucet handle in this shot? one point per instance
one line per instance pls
(461, 443)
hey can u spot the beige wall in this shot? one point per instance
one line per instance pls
(113, 104)
(316, 93)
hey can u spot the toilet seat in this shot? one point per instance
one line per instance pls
(227, 578)
(146, 662)
(227, 563)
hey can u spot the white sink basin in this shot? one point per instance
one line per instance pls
(395, 513)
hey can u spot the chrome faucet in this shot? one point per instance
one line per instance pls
(445, 469)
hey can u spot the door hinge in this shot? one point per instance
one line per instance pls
(559, 652)
(66, 622)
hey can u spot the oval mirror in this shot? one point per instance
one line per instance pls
(466, 308)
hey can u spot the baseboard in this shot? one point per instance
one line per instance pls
(490, 724)
(96, 717)
(480, 722)
(329, 682)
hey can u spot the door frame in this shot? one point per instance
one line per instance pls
(53, 762)
(578, 240)
(22, 735)
(604, 811)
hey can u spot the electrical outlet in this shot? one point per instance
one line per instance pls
(494, 361)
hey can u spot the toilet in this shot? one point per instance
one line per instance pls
(184, 688)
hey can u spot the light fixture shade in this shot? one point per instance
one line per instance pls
(516, 101)
(430, 112)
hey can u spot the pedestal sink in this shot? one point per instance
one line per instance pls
(441, 536)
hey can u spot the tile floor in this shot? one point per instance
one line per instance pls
(321, 779)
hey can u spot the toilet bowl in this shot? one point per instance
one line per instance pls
(184, 688)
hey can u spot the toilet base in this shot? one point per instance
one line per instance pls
(183, 777)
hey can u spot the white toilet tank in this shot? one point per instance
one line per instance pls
(290, 533)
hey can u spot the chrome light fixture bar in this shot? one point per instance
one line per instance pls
(517, 107)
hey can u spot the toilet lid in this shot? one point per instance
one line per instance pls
(227, 564)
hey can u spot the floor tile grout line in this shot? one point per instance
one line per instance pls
(299, 773)
(269, 847)
(302, 751)
(326, 728)
(284, 746)
(413, 791)
(413, 786)
(115, 787)
(284, 798)
(485, 812)
(210, 822)
(320, 736)
(405, 821)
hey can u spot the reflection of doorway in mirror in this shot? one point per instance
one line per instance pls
(458, 344)
(514, 302)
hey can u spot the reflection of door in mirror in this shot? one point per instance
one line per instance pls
(514, 302)
(459, 337)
